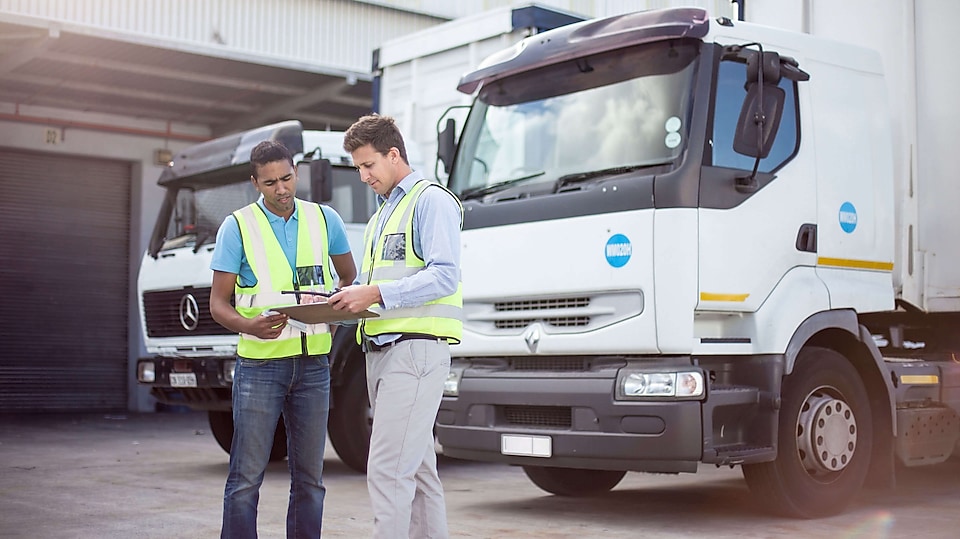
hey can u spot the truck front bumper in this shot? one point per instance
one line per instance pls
(202, 383)
(568, 421)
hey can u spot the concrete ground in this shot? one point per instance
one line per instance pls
(161, 476)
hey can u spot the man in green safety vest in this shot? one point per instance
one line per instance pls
(263, 251)
(411, 277)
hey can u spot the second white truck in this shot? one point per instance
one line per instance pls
(693, 240)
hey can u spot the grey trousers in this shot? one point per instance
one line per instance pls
(405, 385)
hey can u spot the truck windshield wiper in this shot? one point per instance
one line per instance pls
(204, 234)
(579, 177)
(477, 192)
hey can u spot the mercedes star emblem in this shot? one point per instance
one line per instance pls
(189, 312)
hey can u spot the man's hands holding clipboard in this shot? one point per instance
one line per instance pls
(341, 304)
(356, 299)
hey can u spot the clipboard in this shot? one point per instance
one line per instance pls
(321, 313)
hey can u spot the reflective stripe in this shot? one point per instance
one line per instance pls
(429, 309)
(392, 273)
(258, 258)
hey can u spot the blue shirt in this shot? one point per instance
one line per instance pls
(228, 255)
(436, 239)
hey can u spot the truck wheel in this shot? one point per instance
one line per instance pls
(825, 440)
(351, 419)
(572, 481)
(221, 424)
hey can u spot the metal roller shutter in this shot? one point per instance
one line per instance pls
(64, 285)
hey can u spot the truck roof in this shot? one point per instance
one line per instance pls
(229, 150)
(587, 38)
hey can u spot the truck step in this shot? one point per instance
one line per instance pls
(722, 395)
(741, 454)
(926, 435)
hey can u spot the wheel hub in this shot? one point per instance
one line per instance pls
(826, 434)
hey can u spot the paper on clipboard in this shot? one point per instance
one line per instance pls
(321, 313)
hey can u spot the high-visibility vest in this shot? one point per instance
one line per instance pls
(273, 272)
(390, 257)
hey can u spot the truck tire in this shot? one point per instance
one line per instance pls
(825, 439)
(572, 481)
(351, 419)
(221, 424)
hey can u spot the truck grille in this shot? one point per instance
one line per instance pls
(527, 306)
(555, 417)
(162, 311)
(549, 364)
(541, 304)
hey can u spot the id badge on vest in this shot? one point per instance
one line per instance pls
(309, 276)
(395, 247)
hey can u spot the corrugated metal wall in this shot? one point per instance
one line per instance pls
(337, 34)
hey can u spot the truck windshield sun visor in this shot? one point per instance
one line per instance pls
(586, 39)
(592, 72)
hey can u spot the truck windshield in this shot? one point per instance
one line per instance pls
(198, 210)
(579, 120)
(193, 211)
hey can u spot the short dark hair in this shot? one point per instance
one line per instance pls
(268, 151)
(381, 132)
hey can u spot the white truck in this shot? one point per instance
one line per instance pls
(694, 240)
(191, 357)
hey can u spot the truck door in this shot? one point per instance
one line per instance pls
(754, 234)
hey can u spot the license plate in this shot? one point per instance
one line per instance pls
(526, 446)
(183, 379)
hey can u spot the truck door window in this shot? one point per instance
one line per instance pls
(729, 98)
(352, 199)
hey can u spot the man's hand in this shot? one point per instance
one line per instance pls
(267, 326)
(355, 298)
(311, 298)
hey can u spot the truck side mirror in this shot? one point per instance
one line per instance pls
(318, 173)
(758, 123)
(447, 145)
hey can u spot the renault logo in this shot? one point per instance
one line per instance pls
(189, 312)
(532, 338)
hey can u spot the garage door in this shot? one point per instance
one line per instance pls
(63, 282)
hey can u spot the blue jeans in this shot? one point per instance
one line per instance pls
(262, 389)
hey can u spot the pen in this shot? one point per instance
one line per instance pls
(311, 292)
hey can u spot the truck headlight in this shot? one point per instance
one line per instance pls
(636, 384)
(451, 388)
(229, 365)
(146, 372)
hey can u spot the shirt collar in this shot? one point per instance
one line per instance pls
(272, 217)
(405, 185)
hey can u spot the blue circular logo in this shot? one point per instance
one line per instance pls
(848, 217)
(618, 250)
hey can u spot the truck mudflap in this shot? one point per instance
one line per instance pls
(516, 420)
